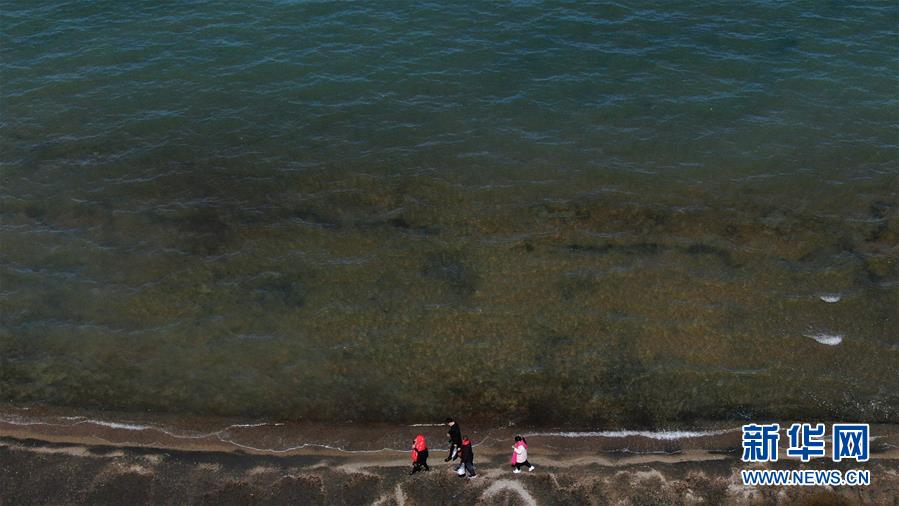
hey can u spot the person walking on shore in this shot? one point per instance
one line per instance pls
(467, 463)
(520, 455)
(455, 439)
(419, 455)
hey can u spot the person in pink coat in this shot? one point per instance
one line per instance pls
(520, 455)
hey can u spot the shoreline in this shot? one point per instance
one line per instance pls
(296, 438)
(57, 456)
(167, 431)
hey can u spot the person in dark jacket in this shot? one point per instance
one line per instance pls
(455, 439)
(419, 455)
(467, 459)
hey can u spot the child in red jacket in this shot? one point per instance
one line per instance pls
(419, 455)
(467, 459)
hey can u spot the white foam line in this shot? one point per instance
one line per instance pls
(217, 435)
(116, 425)
(140, 427)
(136, 427)
(661, 435)
(306, 445)
(13, 422)
(327, 447)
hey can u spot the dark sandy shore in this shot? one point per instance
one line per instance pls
(75, 460)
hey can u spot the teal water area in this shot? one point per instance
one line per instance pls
(538, 211)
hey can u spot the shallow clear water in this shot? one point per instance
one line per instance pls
(541, 211)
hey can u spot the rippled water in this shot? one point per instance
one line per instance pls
(540, 211)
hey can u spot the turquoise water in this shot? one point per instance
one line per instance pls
(765, 87)
(544, 211)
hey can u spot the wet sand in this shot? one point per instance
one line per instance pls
(73, 459)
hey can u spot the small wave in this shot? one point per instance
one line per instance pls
(220, 435)
(828, 339)
(666, 435)
(830, 297)
(80, 420)
(117, 425)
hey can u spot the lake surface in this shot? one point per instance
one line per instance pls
(637, 214)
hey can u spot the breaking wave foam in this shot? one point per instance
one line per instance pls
(220, 435)
(665, 435)
(827, 339)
